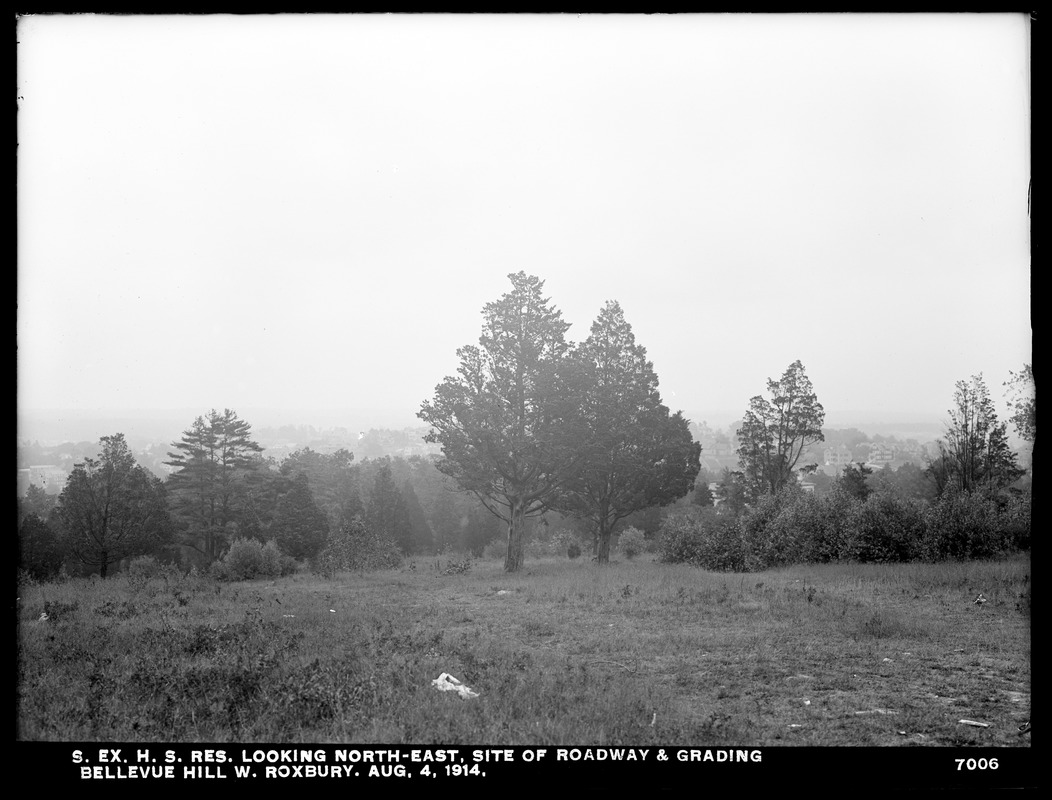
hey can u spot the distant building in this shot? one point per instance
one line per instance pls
(880, 454)
(837, 456)
(48, 477)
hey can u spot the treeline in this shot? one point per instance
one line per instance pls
(325, 510)
(966, 503)
(533, 428)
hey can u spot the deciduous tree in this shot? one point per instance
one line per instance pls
(1022, 402)
(975, 454)
(111, 508)
(776, 432)
(333, 479)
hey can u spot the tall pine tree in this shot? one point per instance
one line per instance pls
(214, 465)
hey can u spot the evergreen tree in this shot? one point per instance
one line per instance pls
(445, 521)
(632, 453)
(732, 492)
(300, 527)
(40, 551)
(853, 480)
(38, 502)
(215, 464)
(501, 422)
(422, 540)
(333, 479)
(387, 515)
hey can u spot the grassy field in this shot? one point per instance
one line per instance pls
(565, 652)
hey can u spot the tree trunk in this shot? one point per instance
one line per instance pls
(516, 537)
(603, 554)
(104, 558)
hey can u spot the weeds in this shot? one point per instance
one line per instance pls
(635, 653)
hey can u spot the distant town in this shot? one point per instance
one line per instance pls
(48, 465)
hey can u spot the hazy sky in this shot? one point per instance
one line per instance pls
(309, 211)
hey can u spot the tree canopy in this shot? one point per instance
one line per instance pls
(111, 508)
(632, 453)
(1022, 402)
(975, 453)
(501, 419)
(300, 526)
(214, 464)
(775, 433)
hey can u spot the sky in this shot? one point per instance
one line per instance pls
(304, 215)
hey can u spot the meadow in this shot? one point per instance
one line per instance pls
(565, 652)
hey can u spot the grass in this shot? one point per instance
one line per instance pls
(564, 652)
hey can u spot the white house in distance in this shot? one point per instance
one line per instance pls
(48, 477)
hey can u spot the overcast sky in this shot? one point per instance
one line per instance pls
(309, 212)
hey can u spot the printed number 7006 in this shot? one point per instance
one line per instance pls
(976, 763)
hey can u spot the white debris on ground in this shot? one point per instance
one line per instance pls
(876, 711)
(447, 683)
(973, 723)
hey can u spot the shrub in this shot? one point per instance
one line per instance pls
(839, 517)
(1016, 517)
(632, 542)
(771, 540)
(144, 567)
(704, 539)
(354, 546)
(276, 563)
(809, 528)
(243, 561)
(573, 550)
(459, 566)
(962, 525)
(794, 527)
(887, 529)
